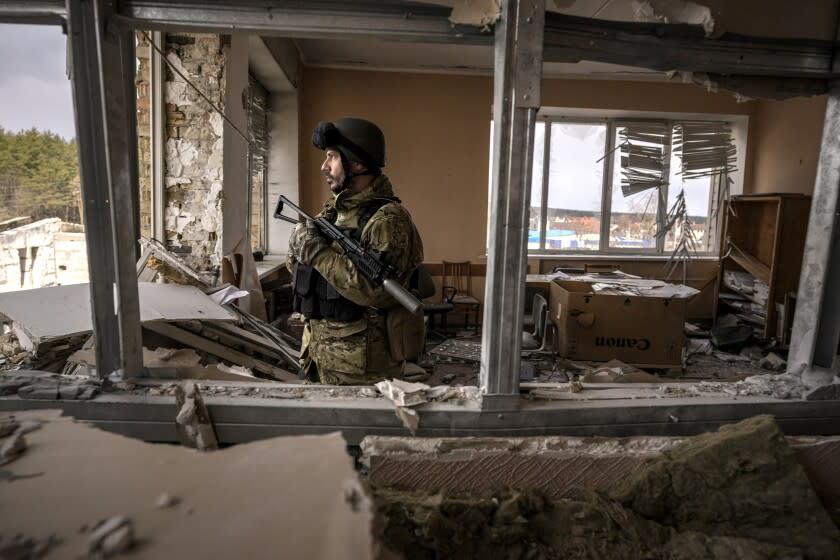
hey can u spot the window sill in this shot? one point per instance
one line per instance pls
(612, 257)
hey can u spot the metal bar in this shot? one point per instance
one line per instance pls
(816, 329)
(683, 47)
(117, 67)
(545, 184)
(93, 171)
(567, 38)
(38, 12)
(517, 79)
(607, 187)
(103, 94)
(246, 419)
(157, 121)
(390, 20)
(662, 192)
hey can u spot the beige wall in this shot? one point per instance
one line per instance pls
(786, 144)
(438, 133)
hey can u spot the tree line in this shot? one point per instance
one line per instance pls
(39, 176)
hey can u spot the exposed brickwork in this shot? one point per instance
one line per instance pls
(194, 148)
(144, 131)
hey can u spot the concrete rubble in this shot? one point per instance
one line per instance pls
(187, 333)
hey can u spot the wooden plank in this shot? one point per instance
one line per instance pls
(750, 263)
(252, 341)
(200, 343)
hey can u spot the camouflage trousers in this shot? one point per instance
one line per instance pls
(354, 353)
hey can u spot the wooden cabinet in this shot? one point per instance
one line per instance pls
(761, 258)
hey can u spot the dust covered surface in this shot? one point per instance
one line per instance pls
(735, 493)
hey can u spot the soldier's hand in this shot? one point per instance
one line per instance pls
(306, 242)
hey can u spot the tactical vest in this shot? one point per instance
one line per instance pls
(314, 297)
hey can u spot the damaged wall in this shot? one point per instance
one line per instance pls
(45, 253)
(787, 144)
(194, 148)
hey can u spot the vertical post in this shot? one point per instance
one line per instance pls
(516, 99)
(816, 324)
(157, 146)
(102, 58)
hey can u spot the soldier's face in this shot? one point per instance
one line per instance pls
(333, 170)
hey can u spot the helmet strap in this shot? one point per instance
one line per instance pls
(349, 175)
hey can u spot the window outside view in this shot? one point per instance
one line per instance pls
(42, 240)
(576, 189)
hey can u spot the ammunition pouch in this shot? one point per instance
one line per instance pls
(315, 298)
(406, 333)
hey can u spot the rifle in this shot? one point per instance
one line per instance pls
(366, 261)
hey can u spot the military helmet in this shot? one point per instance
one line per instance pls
(357, 140)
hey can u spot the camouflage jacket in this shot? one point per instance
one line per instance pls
(356, 352)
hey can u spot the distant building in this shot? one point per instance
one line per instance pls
(44, 253)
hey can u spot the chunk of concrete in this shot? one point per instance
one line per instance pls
(12, 448)
(113, 535)
(773, 362)
(8, 426)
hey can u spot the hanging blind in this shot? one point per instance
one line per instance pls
(642, 156)
(705, 148)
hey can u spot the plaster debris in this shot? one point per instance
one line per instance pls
(195, 428)
(166, 500)
(778, 386)
(403, 393)
(8, 426)
(111, 536)
(482, 13)
(825, 393)
(674, 11)
(12, 448)
(773, 362)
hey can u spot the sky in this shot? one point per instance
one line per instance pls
(34, 89)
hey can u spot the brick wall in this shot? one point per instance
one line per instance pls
(193, 213)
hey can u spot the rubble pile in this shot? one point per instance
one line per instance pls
(191, 329)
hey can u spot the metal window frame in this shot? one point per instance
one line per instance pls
(604, 249)
(105, 127)
(158, 131)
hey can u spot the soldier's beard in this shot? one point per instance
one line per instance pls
(333, 183)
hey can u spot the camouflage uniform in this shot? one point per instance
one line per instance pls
(357, 352)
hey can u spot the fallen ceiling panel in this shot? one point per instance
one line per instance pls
(65, 310)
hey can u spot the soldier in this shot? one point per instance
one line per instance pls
(355, 332)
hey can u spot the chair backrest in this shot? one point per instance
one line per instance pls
(459, 276)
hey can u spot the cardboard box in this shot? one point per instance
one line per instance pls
(638, 330)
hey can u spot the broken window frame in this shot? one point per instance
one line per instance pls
(549, 116)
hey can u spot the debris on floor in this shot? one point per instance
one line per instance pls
(749, 498)
(193, 422)
(230, 343)
(406, 396)
(249, 490)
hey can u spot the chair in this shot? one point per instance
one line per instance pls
(457, 290)
(424, 287)
(536, 340)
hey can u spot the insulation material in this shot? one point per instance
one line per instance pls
(643, 156)
(705, 148)
(482, 13)
(674, 11)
